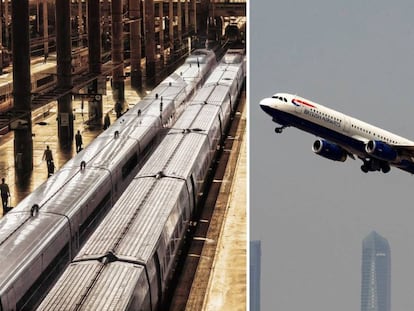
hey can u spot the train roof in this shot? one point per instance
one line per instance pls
(234, 57)
(47, 68)
(113, 286)
(132, 227)
(17, 251)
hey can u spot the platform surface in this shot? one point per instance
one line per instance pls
(223, 262)
(45, 134)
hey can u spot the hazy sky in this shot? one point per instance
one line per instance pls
(312, 213)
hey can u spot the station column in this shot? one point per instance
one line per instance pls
(161, 33)
(23, 141)
(171, 23)
(150, 42)
(95, 106)
(45, 29)
(186, 17)
(180, 22)
(135, 29)
(194, 17)
(64, 73)
(204, 13)
(118, 86)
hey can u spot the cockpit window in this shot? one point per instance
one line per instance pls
(280, 98)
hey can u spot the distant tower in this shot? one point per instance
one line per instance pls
(255, 258)
(376, 274)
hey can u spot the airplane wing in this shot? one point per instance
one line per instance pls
(404, 150)
(360, 138)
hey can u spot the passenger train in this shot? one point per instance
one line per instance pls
(128, 262)
(41, 235)
(43, 77)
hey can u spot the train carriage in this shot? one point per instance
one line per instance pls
(80, 192)
(147, 225)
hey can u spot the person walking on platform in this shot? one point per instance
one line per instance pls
(5, 194)
(78, 141)
(47, 155)
(107, 121)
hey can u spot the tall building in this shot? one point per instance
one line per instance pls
(376, 274)
(255, 258)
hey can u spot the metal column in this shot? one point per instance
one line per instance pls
(171, 24)
(194, 18)
(161, 33)
(1, 37)
(204, 14)
(135, 30)
(23, 142)
(180, 22)
(95, 107)
(118, 85)
(64, 72)
(105, 11)
(45, 29)
(186, 17)
(150, 42)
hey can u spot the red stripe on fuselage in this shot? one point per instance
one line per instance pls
(304, 103)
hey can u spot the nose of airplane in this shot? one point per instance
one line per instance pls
(267, 104)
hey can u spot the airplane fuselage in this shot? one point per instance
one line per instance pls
(376, 147)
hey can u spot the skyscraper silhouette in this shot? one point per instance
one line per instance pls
(255, 259)
(376, 274)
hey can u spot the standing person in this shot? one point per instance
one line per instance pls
(78, 141)
(47, 155)
(118, 109)
(5, 194)
(107, 121)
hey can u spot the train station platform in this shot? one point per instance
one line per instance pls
(220, 282)
(45, 134)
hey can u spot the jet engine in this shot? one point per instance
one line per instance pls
(329, 150)
(380, 150)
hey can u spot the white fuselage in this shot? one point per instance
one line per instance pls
(347, 132)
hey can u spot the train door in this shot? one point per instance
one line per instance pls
(159, 276)
(193, 194)
(221, 124)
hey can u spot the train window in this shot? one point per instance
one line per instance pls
(44, 81)
(129, 165)
(87, 226)
(285, 100)
(50, 272)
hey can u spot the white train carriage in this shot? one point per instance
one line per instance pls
(230, 72)
(196, 67)
(130, 280)
(213, 96)
(23, 272)
(148, 223)
(43, 78)
(79, 193)
(138, 241)
(145, 228)
(6, 93)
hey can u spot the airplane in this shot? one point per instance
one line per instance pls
(341, 136)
